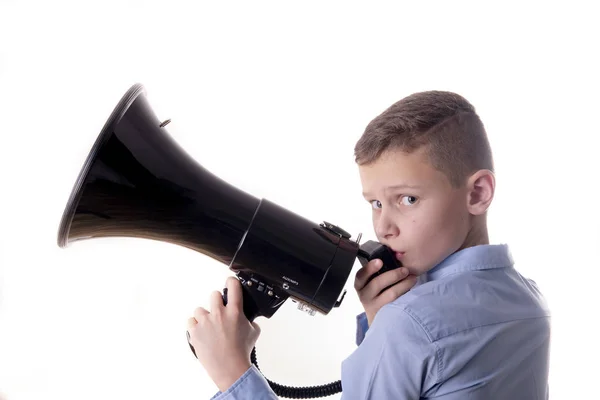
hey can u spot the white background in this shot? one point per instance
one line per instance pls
(271, 96)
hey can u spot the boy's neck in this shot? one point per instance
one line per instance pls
(477, 235)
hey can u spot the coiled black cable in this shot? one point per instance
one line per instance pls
(308, 392)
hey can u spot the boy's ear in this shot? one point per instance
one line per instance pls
(480, 191)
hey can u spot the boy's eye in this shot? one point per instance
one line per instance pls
(376, 204)
(408, 200)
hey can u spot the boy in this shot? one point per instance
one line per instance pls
(470, 327)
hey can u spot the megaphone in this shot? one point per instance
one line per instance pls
(138, 182)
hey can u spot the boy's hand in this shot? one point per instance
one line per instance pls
(223, 338)
(370, 294)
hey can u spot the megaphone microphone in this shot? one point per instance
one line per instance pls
(138, 182)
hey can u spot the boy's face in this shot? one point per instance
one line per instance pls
(416, 211)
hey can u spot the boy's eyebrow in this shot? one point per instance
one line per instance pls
(399, 186)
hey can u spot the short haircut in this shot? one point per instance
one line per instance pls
(443, 123)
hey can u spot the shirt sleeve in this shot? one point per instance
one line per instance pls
(395, 360)
(362, 325)
(252, 385)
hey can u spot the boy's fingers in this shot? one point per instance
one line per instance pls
(191, 323)
(384, 280)
(397, 290)
(216, 301)
(393, 276)
(364, 273)
(200, 313)
(234, 292)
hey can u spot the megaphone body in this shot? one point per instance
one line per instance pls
(138, 182)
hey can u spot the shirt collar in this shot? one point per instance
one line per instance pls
(474, 258)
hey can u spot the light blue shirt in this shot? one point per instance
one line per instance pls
(472, 328)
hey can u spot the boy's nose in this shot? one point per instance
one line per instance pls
(385, 228)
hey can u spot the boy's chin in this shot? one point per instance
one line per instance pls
(418, 269)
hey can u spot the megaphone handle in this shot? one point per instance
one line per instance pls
(251, 310)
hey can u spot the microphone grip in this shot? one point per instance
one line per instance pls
(371, 250)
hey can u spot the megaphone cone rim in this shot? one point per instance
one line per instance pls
(118, 112)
